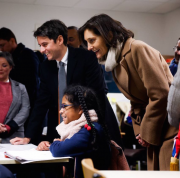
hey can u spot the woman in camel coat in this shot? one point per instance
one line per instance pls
(143, 76)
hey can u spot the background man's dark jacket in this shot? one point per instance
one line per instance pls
(26, 70)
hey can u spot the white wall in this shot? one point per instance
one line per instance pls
(151, 28)
(171, 31)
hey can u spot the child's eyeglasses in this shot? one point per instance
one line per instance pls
(65, 105)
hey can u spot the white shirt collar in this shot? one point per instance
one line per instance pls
(64, 59)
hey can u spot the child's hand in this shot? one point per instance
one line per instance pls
(57, 139)
(43, 146)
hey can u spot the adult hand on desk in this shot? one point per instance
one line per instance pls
(43, 146)
(2, 128)
(20, 141)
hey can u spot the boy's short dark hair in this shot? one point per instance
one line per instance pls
(6, 34)
(52, 29)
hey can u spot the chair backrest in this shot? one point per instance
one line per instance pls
(118, 159)
(88, 169)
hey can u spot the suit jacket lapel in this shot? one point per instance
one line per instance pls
(15, 92)
(72, 60)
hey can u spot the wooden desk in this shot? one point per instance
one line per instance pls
(22, 170)
(141, 174)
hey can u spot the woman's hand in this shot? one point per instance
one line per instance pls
(2, 128)
(43, 146)
(141, 141)
(57, 139)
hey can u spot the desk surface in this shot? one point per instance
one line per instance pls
(140, 174)
(9, 147)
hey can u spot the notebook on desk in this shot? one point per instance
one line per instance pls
(32, 155)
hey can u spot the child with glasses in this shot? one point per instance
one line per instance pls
(83, 133)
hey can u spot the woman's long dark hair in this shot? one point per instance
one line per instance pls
(87, 99)
(111, 30)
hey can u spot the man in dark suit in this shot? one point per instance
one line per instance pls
(81, 67)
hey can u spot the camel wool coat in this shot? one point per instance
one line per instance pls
(143, 76)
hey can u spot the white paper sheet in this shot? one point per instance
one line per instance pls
(31, 155)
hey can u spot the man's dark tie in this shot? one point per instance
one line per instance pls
(61, 85)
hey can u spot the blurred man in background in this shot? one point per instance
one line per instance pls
(73, 37)
(174, 63)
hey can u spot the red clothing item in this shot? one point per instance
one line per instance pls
(6, 98)
(178, 143)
